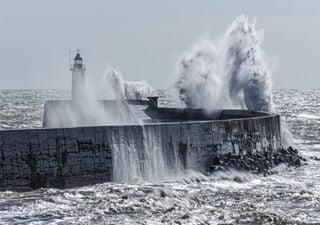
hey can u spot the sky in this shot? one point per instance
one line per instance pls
(144, 38)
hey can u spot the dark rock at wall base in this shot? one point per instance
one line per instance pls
(257, 162)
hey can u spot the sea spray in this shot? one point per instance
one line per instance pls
(88, 111)
(114, 78)
(140, 157)
(200, 84)
(231, 72)
(123, 89)
(248, 75)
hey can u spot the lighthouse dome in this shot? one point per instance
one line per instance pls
(78, 57)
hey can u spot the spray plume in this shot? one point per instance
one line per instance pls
(229, 73)
(127, 89)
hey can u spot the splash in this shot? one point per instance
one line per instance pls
(229, 73)
(142, 155)
(123, 89)
(87, 111)
(114, 78)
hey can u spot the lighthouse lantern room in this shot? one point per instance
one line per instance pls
(78, 77)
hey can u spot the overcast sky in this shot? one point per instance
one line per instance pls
(144, 38)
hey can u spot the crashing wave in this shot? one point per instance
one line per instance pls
(123, 89)
(230, 73)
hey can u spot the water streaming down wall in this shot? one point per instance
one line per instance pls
(125, 145)
(138, 155)
(153, 163)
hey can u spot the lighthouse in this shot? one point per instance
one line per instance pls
(78, 77)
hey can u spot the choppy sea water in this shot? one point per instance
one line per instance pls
(290, 196)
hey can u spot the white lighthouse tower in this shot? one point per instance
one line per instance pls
(78, 78)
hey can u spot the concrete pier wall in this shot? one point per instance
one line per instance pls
(69, 157)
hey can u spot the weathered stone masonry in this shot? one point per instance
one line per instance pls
(72, 157)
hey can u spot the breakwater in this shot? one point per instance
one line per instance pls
(69, 157)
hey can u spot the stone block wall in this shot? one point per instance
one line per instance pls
(69, 157)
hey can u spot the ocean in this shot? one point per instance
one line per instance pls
(289, 196)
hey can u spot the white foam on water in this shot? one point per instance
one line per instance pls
(308, 116)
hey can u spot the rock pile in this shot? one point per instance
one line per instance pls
(257, 162)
